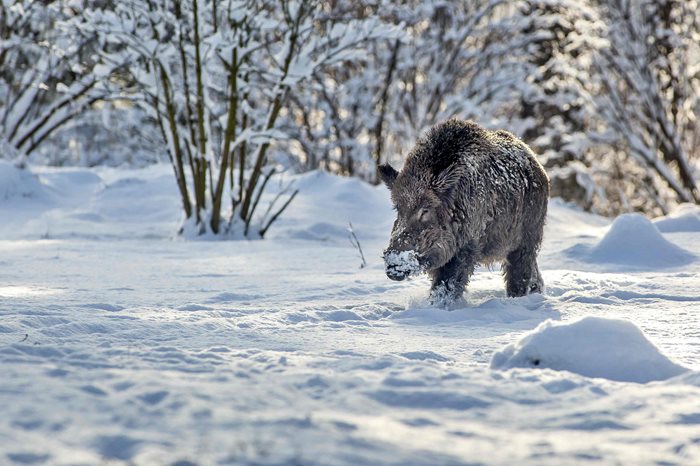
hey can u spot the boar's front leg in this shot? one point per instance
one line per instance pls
(450, 279)
(521, 273)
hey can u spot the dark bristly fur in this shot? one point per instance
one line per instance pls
(469, 196)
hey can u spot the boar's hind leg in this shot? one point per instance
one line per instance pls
(521, 273)
(450, 279)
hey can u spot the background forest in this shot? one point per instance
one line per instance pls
(233, 92)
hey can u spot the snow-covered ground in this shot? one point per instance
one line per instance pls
(120, 344)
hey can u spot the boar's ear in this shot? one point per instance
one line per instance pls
(387, 174)
(446, 182)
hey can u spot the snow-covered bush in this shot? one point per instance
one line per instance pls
(615, 93)
(111, 133)
(649, 93)
(453, 59)
(607, 92)
(46, 70)
(604, 91)
(216, 76)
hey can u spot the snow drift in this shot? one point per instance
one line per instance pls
(634, 241)
(593, 347)
(685, 217)
(285, 351)
(17, 183)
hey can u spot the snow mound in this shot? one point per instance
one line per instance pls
(633, 240)
(593, 347)
(15, 182)
(685, 217)
(400, 265)
(327, 204)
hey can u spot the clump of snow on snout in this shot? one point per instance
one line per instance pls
(593, 347)
(633, 240)
(402, 264)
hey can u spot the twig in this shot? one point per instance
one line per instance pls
(356, 243)
(279, 212)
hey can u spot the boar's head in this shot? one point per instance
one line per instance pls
(423, 237)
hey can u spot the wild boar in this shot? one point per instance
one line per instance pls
(467, 196)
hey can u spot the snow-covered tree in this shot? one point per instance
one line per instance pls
(554, 112)
(337, 122)
(646, 93)
(458, 64)
(453, 59)
(612, 100)
(217, 75)
(606, 91)
(110, 132)
(46, 71)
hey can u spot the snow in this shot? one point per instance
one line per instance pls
(685, 217)
(122, 344)
(402, 264)
(593, 347)
(15, 182)
(633, 240)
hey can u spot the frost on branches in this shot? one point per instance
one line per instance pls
(647, 95)
(451, 60)
(216, 76)
(611, 102)
(46, 73)
(234, 91)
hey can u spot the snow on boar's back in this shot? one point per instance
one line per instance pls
(467, 196)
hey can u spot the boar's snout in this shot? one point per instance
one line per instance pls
(400, 265)
(395, 274)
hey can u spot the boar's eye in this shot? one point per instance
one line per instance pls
(425, 215)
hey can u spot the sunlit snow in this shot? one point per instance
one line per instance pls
(123, 344)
